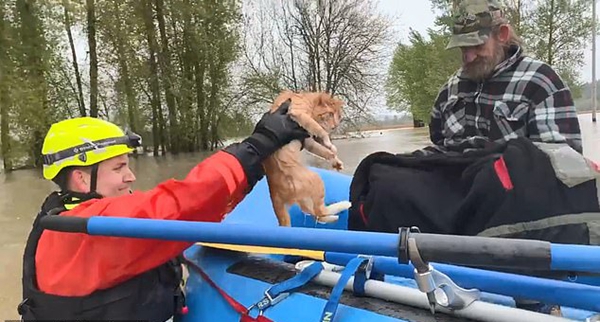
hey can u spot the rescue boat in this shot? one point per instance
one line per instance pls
(252, 270)
(221, 275)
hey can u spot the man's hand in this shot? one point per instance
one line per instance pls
(273, 131)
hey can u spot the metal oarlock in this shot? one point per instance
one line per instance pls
(450, 295)
(440, 289)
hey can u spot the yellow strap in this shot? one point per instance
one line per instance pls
(312, 254)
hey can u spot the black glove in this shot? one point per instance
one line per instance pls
(273, 131)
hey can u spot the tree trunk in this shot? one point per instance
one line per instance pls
(214, 130)
(91, 29)
(33, 46)
(157, 118)
(216, 73)
(4, 121)
(202, 63)
(80, 101)
(201, 114)
(551, 27)
(213, 102)
(165, 64)
(4, 98)
(187, 58)
(124, 73)
(518, 17)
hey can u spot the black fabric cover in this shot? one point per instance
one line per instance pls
(462, 194)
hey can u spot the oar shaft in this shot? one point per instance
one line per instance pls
(460, 250)
(242, 234)
(485, 251)
(518, 286)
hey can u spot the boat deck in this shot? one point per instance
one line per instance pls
(270, 271)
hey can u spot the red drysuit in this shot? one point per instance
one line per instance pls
(70, 264)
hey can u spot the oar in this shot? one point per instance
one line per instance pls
(549, 291)
(460, 250)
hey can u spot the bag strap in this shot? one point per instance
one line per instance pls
(336, 294)
(280, 291)
(237, 306)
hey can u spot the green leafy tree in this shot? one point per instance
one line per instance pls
(417, 72)
(558, 31)
(554, 31)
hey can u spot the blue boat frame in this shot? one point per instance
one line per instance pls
(206, 304)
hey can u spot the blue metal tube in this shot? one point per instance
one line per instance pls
(459, 250)
(582, 258)
(242, 234)
(548, 291)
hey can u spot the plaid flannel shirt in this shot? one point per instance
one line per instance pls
(524, 97)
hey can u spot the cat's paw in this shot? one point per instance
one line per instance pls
(327, 143)
(333, 149)
(327, 219)
(337, 164)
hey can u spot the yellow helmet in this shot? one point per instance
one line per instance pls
(84, 141)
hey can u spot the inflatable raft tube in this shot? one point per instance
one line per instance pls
(245, 277)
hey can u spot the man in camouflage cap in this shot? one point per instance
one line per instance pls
(499, 93)
(476, 22)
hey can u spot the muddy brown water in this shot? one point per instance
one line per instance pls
(23, 191)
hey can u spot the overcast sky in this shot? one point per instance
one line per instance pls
(417, 14)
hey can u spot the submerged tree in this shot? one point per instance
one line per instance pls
(166, 63)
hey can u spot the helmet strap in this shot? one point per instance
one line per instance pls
(94, 178)
(71, 197)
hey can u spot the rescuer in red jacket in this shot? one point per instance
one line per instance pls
(77, 276)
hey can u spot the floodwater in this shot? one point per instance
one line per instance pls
(23, 191)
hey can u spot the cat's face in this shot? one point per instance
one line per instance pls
(327, 111)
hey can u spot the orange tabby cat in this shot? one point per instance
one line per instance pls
(291, 182)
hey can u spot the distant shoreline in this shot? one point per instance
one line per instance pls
(383, 127)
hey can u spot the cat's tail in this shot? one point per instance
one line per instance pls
(333, 210)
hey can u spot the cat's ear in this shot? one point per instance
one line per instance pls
(338, 103)
(324, 99)
(334, 103)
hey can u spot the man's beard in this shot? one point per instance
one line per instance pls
(483, 67)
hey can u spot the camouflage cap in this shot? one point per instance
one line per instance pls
(473, 22)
